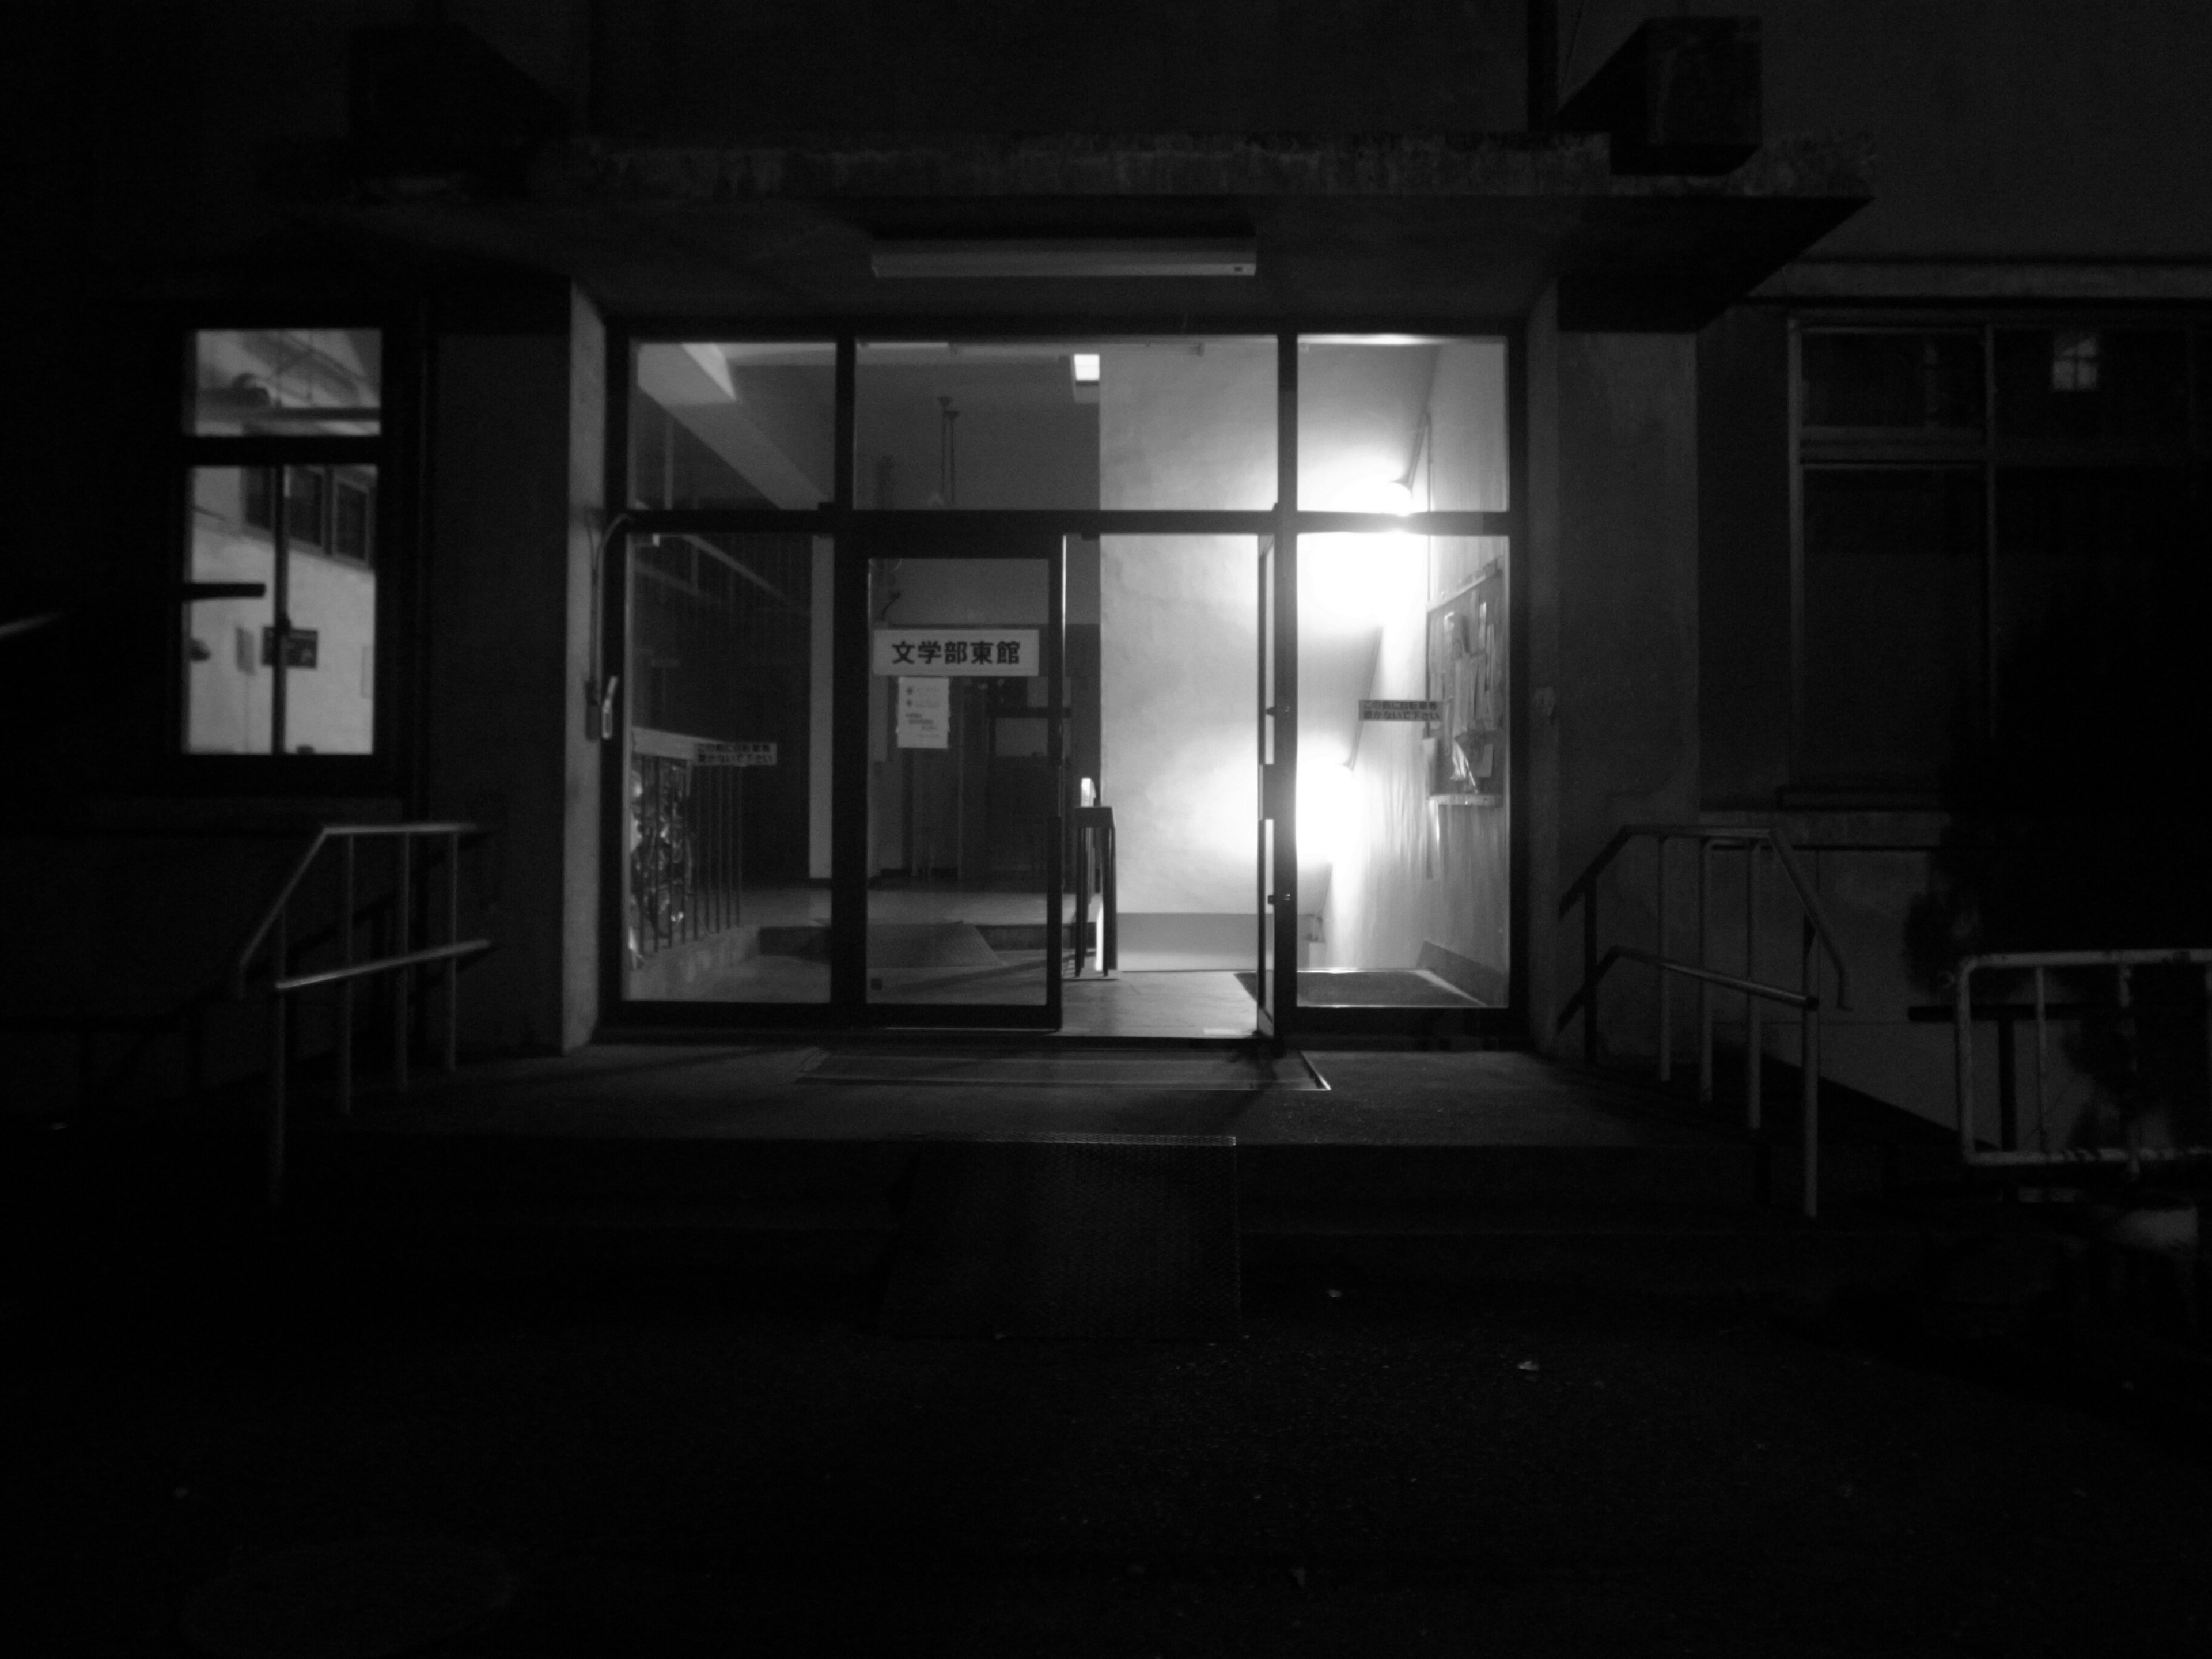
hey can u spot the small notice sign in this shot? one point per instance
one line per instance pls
(299, 647)
(925, 713)
(1427, 711)
(945, 652)
(735, 754)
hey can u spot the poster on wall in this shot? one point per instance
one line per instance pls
(1467, 680)
(925, 713)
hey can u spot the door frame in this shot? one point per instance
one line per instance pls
(840, 518)
(851, 817)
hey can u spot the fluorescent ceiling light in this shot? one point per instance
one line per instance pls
(1066, 258)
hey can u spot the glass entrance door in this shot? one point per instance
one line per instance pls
(963, 848)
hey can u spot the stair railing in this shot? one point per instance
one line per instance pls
(1819, 939)
(284, 980)
(2007, 1154)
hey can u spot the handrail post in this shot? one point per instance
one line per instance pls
(1666, 980)
(403, 907)
(1704, 991)
(1962, 1044)
(2042, 1059)
(453, 937)
(1808, 1061)
(1752, 1038)
(279, 1045)
(345, 986)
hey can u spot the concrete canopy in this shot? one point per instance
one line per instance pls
(1440, 228)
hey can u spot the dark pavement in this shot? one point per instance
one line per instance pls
(679, 1460)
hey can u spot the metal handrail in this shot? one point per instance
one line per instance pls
(1716, 839)
(1963, 1013)
(1819, 933)
(273, 931)
(324, 834)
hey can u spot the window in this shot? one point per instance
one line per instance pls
(1994, 524)
(284, 431)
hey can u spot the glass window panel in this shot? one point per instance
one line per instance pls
(1163, 424)
(226, 687)
(1399, 424)
(2093, 384)
(726, 879)
(287, 382)
(1892, 623)
(1404, 829)
(1892, 381)
(2100, 595)
(961, 797)
(732, 423)
(244, 692)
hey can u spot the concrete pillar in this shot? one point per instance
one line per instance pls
(517, 493)
(1613, 656)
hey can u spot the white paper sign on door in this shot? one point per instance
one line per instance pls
(925, 713)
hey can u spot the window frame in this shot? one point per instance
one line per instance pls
(393, 454)
(1985, 450)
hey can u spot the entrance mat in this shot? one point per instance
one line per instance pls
(1096, 1237)
(1230, 1071)
(1370, 987)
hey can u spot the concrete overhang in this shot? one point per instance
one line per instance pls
(1435, 228)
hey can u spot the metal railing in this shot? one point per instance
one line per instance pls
(2039, 965)
(284, 980)
(687, 849)
(1819, 939)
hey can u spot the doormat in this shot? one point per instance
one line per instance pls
(1370, 987)
(1085, 1236)
(1230, 1071)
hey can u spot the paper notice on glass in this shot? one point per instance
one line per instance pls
(925, 713)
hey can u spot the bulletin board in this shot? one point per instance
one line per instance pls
(1467, 679)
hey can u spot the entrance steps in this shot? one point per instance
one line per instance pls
(1465, 1167)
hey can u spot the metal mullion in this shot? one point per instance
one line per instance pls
(1989, 675)
(1283, 879)
(1794, 368)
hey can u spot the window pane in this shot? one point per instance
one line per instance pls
(733, 423)
(1391, 424)
(1403, 824)
(298, 382)
(1892, 623)
(227, 686)
(1122, 424)
(1892, 381)
(726, 883)
(2101, 581)
(330, 700)
(2086, 383)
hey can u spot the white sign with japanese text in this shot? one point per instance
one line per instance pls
(949, 652)
(925, 713)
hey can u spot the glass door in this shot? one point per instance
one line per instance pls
(962, 849)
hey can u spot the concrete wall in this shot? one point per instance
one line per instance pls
(1613, 579)
(515, 500)
(698, 69)
(2037, 128)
